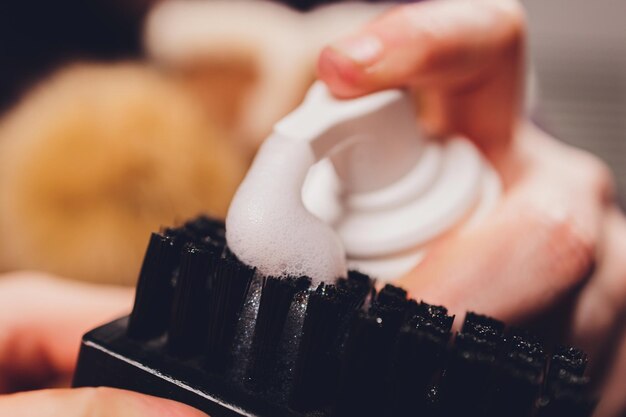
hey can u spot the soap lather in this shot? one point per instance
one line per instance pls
(354, 184)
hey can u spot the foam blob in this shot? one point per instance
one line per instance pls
(268, 226)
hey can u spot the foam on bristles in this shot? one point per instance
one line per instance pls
(269, 228)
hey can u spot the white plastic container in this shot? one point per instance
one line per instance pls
(354, 183)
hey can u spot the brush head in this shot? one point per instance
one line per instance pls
(235, 342)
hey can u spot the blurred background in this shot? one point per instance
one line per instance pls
(119, 115)
(578, 50)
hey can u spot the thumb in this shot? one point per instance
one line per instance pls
(87, 402)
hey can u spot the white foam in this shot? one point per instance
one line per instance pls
(268, 226)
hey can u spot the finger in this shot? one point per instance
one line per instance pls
(521, 263)
(86, 402)
(536, 248)
(467, 55)
(601, 306)
(444, 43)
(42, 320)
(613, 401)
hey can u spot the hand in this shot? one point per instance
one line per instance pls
(91, 402)
(554, 246)
(42, 320)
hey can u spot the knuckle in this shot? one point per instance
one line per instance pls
(598, 175)
(572, 252)
(512, 10)
(429, 57)
(513, 16)
(588, 173)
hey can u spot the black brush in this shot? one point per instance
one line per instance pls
(209, 331)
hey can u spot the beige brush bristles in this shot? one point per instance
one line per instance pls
(94, 159)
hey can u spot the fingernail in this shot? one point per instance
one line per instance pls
(364, 50)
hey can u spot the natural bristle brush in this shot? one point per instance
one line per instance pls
(269, 316)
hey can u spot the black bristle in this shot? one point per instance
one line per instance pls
(153, 298)
(391, 294)
(515, 389)
(361, 374)
(568, 395)
(358, 285)
(518, 376)
(570, 359)
(188, 322)
(483, 327)
(417, 361)
(390, 305)
(526, 344)
(318, 361)
(437, 316)
(360, 278)
(470, 369)
(228, 285)
(206, 229)
(277, 295)
(566, 390)
(367, 362)
(202, 230)
(179, 236)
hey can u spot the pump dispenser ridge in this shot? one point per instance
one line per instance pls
(354, 184)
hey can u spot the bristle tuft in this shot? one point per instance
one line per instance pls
(228, 286)
(318, 362)
(188, 326)
(468, 377)
(153, 298)
(418, 358)
(277, 295)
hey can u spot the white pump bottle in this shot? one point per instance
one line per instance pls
(354, 184)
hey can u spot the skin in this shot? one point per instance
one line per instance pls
(42, 319)
(551, 253)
